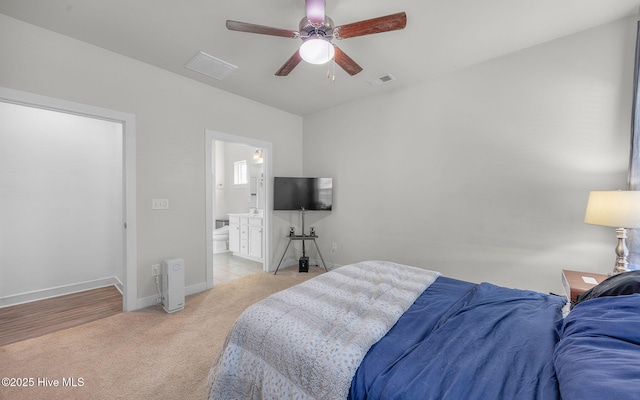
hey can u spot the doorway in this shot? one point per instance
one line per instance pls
(252, 203)
(71, 170)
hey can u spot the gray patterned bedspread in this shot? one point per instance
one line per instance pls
(307, 341)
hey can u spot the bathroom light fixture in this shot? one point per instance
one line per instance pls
(619, 209)
(257, 154)
(316, 51)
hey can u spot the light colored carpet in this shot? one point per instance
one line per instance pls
(146, 354)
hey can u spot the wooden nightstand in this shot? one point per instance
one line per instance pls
(576, 282)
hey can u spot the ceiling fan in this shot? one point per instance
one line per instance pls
(316, 31)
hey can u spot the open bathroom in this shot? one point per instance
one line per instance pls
(238, 210)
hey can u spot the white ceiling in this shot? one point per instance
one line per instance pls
(441, 36)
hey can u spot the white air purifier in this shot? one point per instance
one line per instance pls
(173, 284)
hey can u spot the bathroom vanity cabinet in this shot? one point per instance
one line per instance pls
(246, 235)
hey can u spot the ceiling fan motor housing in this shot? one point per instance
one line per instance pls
(309, 30)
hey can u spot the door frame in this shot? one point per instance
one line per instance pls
(209, 137)
(128, 122)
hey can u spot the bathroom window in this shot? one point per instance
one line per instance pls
(240, 173)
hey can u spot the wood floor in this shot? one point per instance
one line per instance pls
(30, 320)
(26, 321)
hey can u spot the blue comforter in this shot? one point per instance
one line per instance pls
(465, 341)
(598, 356)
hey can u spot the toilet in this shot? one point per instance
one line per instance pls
(221, 239)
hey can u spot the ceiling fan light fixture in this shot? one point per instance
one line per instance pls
(317, 51)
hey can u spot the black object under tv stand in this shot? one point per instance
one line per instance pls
(304, 238)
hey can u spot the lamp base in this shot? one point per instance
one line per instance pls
(618, 270)
(622, 252)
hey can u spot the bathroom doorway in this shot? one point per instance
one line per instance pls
(236, 209)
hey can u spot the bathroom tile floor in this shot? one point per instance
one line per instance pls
(227, 267)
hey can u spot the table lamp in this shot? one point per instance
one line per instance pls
(619, 209)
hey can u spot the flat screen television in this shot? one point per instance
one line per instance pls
(293, 193)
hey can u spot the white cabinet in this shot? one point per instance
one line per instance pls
(246, 236)
(234, 234)
(255, 237)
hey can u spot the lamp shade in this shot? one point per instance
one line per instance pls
(615, 208)
(316, 51)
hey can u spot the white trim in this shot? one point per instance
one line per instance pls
(57, 291)
(128, 121)
(119, 285)
(209, 137)
(153, 300)
(315, 262)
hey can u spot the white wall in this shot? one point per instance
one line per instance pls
(237, 197)
(230, 199)
(484, 175)
(61, 203)
(172, 114)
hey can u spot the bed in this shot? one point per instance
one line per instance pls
(381, 330)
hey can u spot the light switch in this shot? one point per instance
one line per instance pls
(160, 204)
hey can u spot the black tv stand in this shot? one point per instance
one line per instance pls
(304, 238)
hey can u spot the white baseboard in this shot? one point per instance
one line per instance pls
(155, 299)
(58, 291)
(317, 262)
(113, 281)
(119, 285)
(197, 288)
(288, 262)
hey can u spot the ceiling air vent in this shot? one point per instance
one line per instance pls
(210, 66)
(381, 80)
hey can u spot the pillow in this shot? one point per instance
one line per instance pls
(616, 285)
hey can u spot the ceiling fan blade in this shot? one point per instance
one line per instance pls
(343, 60)
(387, 23)
(260, 29)
(315, 11)
(290, 64)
